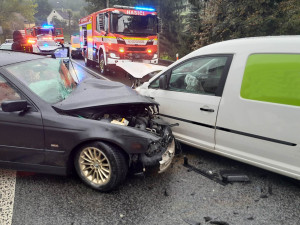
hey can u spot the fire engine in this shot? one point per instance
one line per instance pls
(25, 39)
(119, 34)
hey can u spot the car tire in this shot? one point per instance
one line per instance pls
(101, 166)
(102, 65)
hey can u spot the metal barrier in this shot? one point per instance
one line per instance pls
(164, 62)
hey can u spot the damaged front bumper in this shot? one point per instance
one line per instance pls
(160, 154)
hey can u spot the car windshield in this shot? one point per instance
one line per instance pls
(128, 24)
(49, 78)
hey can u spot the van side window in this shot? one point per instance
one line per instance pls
(154, 84)
(199, 75)
(272, 78)
(7, 92)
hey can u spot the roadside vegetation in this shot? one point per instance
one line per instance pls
(186, 24)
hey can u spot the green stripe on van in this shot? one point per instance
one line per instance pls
(272, 78)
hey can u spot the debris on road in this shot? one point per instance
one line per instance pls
(218, 222)
(166, 193)
(208, 174)
(250, 218)
(207, 218)
(191, 222)
(233, 176)
(263, 196)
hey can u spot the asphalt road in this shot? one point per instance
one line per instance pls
(178, 196)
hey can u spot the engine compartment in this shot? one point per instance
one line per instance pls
(143, 117)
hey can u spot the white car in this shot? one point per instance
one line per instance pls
(44, 44)
(6, 46)
(239, 99)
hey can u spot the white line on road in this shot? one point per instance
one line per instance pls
(90, 71)
(7, 195)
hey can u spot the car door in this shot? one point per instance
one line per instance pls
(21, 133)
(192, 96)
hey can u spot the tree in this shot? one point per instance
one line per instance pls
(96, 5)
(43, 10)
(13, 13)
(229, 19)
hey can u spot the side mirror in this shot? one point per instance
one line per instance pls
(14, 106)
(163, 82)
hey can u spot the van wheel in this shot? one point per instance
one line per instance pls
(101, 166)
(102, 65)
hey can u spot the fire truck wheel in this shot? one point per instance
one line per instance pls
(102, 65)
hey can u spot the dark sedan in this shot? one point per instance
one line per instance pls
(50, 123)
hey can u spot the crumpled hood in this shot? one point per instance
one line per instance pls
(91, 93)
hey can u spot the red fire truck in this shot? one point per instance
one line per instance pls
(24, 39)
(119, 34)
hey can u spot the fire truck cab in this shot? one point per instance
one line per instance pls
(56, 33)
(26, 40)
(119, 34)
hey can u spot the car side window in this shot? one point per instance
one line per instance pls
(7, 92)
(199, 75)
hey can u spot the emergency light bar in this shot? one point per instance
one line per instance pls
(136, 8)
(144, 9)
(47, 26)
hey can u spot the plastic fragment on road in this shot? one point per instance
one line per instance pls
(233, 176)
(208, 174)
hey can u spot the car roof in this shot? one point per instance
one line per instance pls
(9, 57)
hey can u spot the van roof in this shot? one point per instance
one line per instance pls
(268, 44)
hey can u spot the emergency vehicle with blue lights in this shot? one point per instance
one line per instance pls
(36, 38)
(119, 34)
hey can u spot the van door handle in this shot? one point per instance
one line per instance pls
(207, 110)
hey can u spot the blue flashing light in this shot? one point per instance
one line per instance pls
(46, 45)
(48, 26)
(144, 9)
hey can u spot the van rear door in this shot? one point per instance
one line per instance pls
(258, 120)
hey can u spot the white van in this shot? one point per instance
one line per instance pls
(239, 99)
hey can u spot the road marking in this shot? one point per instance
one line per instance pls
(7, 195)
(90, 71)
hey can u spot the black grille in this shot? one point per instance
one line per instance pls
(136, 49)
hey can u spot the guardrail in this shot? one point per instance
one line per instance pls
(164, 62)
